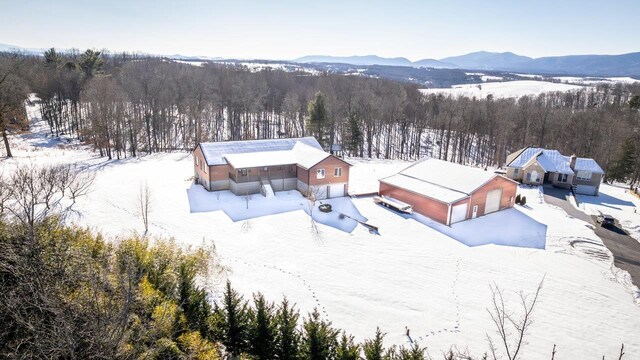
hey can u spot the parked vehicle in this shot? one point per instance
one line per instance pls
(606, 220)
(393, 203)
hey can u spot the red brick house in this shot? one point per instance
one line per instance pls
(448, 192)
(264, 166)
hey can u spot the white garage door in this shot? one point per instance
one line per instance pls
(458, 213)
(335, 191)
(586, 189)
(493, 201)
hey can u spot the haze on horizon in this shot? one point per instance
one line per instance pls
(290, 29)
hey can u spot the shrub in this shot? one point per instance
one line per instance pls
(523, 200)
(518, 199)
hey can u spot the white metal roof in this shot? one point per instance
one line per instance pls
(441, 180)
(449, 175)
(301, 154)
(425, 188)
(590, 165)
(215, 152)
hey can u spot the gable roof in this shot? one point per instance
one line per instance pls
(301, 154)
(552, 161)
(215, 152)
(440, 180)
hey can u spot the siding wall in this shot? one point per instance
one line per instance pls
(199, 166)
(430, 208)
(531, 168)
(479, 197)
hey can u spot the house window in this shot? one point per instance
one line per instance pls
(243, 172)
(562, 177)
(583, 175)
(197, 161)
(337, 172)
(320, 174)
(516, 171)
(528, 176)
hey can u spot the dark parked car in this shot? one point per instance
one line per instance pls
(606, 220)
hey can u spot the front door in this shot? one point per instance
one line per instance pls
(475, 212)
(264, 173)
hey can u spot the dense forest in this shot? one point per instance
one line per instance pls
(127, 105)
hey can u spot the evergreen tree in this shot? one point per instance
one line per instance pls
(319, 340)
(415, 352)
(51, 58)
(624, 164)
(262, 330)
(236, 322)
(355, 136)
(91, 62)
(373, 348)
(346, 349)
(193, 301)
(287, 336)
(318, 119)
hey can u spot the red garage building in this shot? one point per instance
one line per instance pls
(448, 192)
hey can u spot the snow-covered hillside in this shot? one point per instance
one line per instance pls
(505, 89)
(409, 275)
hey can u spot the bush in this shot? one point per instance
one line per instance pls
(523, 200)
(518, 199)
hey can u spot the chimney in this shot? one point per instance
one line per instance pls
(572, 162)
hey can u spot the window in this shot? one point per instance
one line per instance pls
(337, 172)
(206, 169)
(562, 177)
(583, 175)
(197, 161)
(516, 171)
(243, 172)
(320, 174)
(528, 176)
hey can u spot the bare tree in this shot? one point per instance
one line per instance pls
(511, 328)
(145, 202)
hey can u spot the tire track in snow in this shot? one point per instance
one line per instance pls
(456, 299)
(297, 277)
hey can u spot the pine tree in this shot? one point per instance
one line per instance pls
(355, 136)
(624, 164)
(415, 352)
(90, 62)
(373, 348)
(346, 349)
(236, 322)
(318, 119)
(193, 301)
(287, 336)
(319, 340)
(262, 329)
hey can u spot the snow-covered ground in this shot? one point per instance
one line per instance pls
(617, 202)
(410, 274)
(505, 89)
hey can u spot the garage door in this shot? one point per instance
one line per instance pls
(335, 191)
(458, 213)
(493, 201)
(586, 189)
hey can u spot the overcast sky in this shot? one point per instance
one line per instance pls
(289, 29)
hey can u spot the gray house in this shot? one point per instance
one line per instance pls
(536, 166)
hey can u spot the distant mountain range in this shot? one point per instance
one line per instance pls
(590, 65)
(585, 65)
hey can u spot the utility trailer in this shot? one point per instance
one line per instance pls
(393, 204)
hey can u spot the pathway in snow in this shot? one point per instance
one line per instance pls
(295, 276)
(454, 293)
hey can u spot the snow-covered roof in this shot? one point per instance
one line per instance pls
(447, 174)
(554, 161)
(585, 164)
(440, 180)
(301, 154)
(425, 188)
(215, 152)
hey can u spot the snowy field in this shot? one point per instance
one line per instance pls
(410, 274)
(505, 89)
(617, 202)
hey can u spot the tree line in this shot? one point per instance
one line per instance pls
(126, 105)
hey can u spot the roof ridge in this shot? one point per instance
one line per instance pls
(432, 183)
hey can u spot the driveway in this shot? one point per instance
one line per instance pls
(625, 249)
